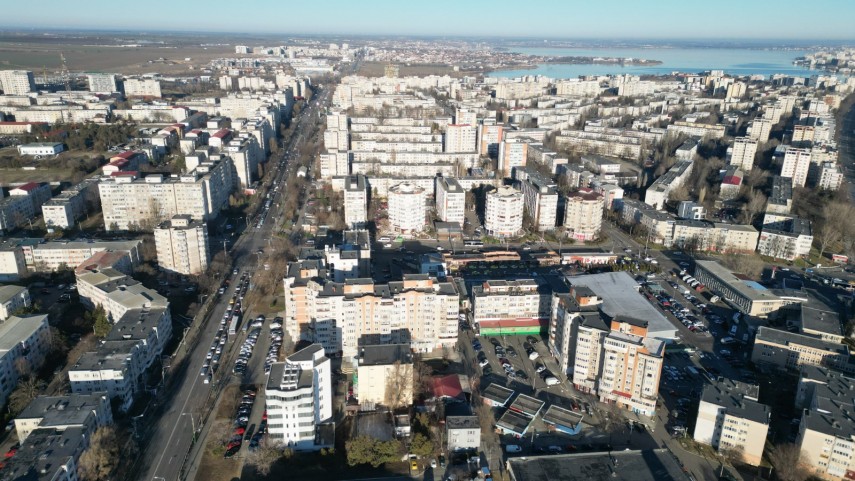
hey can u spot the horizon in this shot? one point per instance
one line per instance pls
(625, 20)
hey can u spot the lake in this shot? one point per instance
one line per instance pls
(734, 61)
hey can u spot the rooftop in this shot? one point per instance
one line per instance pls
(462, 422)
(497, 393)
(8, 292)
(526, 405)
(384, 354)
(514, 422)
(748, 288)
(15, 330)
(738, 399)
(559, 416)
(68, 410)
(786, 338)
(44, 454)
(653, 465)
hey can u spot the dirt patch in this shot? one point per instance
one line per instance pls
(213, 466)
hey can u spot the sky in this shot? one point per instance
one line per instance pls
(584, 19)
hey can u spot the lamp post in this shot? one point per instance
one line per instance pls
(192, 424)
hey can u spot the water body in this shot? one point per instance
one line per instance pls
(734, 61)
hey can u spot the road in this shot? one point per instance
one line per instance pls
(846, 147)
(178, 412)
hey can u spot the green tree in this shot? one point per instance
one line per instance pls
(101, 325)
(421, 445)
(366, 450)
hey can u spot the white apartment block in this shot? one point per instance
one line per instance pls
(583, 215)
(578, 87)
(461, 138)
(830, 176)
(541, 201)
(462, 432)
(495, 301)
(246, 154)
(115, 368)
(129, 202)
(299, 399)
(742, 153)
(23, 340)
(12, 298)
(624, 146)
(730, 418)
(116, 292)
(796, 165)
(618, 362)
(760, 129)
(385, 373)
(355, 201)
(182, 246)
(17, 82)
(489, 138)
(136, 87)
(690, 210)
(465, 117)
(407, 208)
(63, 210)
(102, 82)
(15, 211)
(697, 129)
(13, 264)
(418, 310)
(450, 200)
(87, 411)
(788, 239)
(660, 190)
(50, 256)
(513, 154)
(504, 211)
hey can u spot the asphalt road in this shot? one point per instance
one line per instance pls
(171, 434)
(846, 147)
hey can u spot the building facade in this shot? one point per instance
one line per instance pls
(504, 212)
(407, 208)
(182, 246)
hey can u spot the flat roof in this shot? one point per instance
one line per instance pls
(652, 465)
(497, 393)
(15, 330)
(621, 298)
(68, 410)
(559, 416)
(748, 288)
(786, 338)
(385, 354)
(738, 399)
(819, 316)
(462, 422)
(526, 405)
(514, 422)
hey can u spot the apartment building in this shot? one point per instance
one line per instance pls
(182, 246)
(541, 201)
(690, 210)
(583, 215)
(355, 201)
(407, 208)
(730, 418)
(246, 154)
(659, 224)
(742, 152)
(462, 432)
(617, 362)
(37, 193)
(299, 399)
(450, 200)
(760, 129)
(102, 82)
(17, 82)
(660, 190)
(489, 138)
(781, 200)
(513, 155)
(129, 201)
(13, 298)
(796, 165)
(698, 129)
(504, 212)
(87, 411)
(826, 433)
(748, 296)
(116, 292)
(141, 87)
(23, 341)
(63, 210)
(15, 212)
(115, 368)
(418, 310)
(828, 176)
(787, 238)
(49, 454)
(790, 350)
(461, 138)
(385, 373)
(52, 255)
(624, 145)
(577, 87)
(13, 264)
(351, 259)
(520, 306)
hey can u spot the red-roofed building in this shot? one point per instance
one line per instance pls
(220, 138)
(447, 387)
(38, 193)
(119, 260)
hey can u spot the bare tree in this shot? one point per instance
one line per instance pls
(26, 390)
(102, 457)
(265, 456)
(399, 385)
(756, 204)
(785, 460)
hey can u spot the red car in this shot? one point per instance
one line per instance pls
(233, 445)
(239, 431)
(264, 416)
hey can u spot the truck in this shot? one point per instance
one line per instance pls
(233, 325)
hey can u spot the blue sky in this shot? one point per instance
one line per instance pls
(623, 19)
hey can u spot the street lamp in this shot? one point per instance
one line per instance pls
(192, 424)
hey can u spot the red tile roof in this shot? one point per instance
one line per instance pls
(28, 186)
(447, 386)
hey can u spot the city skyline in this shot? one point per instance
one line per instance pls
(670, 20)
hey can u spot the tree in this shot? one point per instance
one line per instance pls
(421, 445)
(102, 457)
(26, 390)
(785, 460)
(266, 455)
(101, 325)
(366, 450)
(756, 204)
(399, 385)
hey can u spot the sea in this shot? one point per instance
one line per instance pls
(734, 61)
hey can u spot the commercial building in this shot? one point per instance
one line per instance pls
(102, 82)
(653, 465)
(355, 201)
(583, 214)
(17, 82)
(23, 341)
(796, 165)
(746, 295)
(541, 201)
(520, 306)
(139, 87)
(182, 246)
(130, 202)
(407, 208)
(731, 419)
(13, 298)
(87, 411)
(450, 200)
(790, 350)
(461, 138)
(504, 212)
(462, 432)
(418, 310)
(299, 399)
(385, 373)
(41, 148)
(742, 153)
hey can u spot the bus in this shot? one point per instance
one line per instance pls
(473, 243)
(233, 325)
